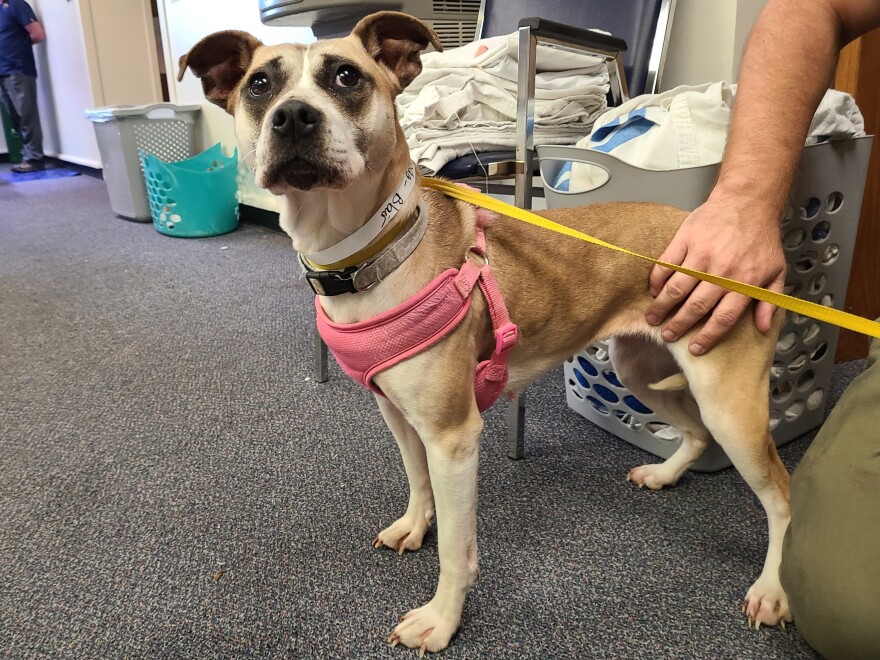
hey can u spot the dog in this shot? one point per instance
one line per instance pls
(318, 126)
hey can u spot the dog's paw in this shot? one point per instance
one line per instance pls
(654, 476)
(404, 534)
(766, 604)
(427, 629)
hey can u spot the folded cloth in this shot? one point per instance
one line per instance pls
(687, 127)
(465, 100)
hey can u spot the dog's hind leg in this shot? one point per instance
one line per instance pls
(730, 385)
(407, 532)
(640, 362)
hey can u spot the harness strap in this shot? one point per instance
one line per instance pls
(491, 375)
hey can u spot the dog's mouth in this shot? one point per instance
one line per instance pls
(302, 173)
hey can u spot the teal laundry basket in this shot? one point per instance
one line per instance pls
(195, 197)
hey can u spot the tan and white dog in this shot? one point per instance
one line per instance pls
(318, 125)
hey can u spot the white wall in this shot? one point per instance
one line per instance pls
(187, 21)
(707, 40)
(64, 84)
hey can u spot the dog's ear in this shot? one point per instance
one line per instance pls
(395, 40)
(220, 60)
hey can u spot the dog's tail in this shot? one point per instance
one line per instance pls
(674, 383)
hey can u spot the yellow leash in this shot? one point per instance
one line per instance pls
(792, 304)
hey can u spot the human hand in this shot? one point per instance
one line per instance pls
(728, 237)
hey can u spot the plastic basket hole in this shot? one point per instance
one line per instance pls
(166, 184)
(794, 411)
(581, 379)
(598, 353)
(786, 342)
(811, 333)
(797, 362)
(598, 406)
(810, 208)
(830, 254)
(777, 370)
(637, 405)
(166, 209)
(815, 399)
(817, 283)
(791, 288)
(612, 378)
(794, 238)
(587, 366)
(820, 232)
(170, 225)
(605, 393)
(781, 391)
(574, 389)
(833, 202)
(819, 352)
(175, 218)
(775, 417)
(806, 381)
(171, 202)
(787, 215)
(827, 300)
(806, 262)
(799, 319)
(628, 419)
(665, 432)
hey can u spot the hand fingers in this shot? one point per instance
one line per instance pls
(725, 315)
(676, 289)
(764, 311)
(696, 307)
(674, 254)
(764, 316)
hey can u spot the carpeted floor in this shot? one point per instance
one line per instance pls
(173, 484)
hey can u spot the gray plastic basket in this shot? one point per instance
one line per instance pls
(162, 129)
(819, 231)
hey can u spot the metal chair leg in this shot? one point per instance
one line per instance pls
(516, 420)
(320, 359)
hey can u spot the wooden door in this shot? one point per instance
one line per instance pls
(858, 73)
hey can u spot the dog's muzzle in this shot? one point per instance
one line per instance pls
(298, 153)
(295, 120)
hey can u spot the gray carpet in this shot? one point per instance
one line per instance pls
(173, 484)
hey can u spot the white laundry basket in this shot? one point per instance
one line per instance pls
(165, 130)
(819, 231)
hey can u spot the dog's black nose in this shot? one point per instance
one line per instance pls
(295, 119)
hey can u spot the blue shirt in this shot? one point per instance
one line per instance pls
(16, 50)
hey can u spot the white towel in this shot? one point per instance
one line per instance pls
(687, 127)
(465, 100)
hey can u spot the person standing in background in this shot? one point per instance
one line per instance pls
(19, 31)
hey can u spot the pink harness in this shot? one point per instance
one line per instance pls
(369, 347)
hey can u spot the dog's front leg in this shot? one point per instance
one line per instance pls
(453, 455)
(407, 532)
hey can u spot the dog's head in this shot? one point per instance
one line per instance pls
(317, 116)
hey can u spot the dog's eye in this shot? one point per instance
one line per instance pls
(259, 84)
(347, 76)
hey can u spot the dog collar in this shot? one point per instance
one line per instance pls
(362, 277)
(352, 250)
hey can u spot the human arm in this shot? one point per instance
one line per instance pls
(24, 14)
(36, 32)
(787, 66)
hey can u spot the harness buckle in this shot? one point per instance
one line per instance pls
(505, 338)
